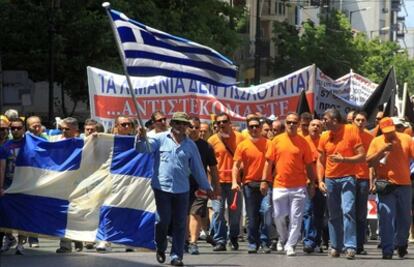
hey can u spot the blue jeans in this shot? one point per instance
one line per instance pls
(394, 210)
(267, 218)
(313, 219)
(361, 209)
(218, 222)
(171, 209)
(341, 206)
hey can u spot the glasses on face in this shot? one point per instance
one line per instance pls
(360, 120)
(222, 122)
(193, 127)
(16, 128)
(254, 126)
(125, 124)
(291, 122)
(161, 120)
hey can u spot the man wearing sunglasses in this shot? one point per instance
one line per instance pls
(176, 156)
(224, 143)
(8, 155)
(292, 156)
(250, 154)
(159, 123)
(123, 126)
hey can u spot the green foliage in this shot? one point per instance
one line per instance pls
(335, 49)
(83, 36)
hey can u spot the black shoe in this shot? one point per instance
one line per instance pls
(210, 240)
(78, 246)
(234, 244)
(402, 251)
(273, 246)
(177, 262)
(160, 256)
(219, 247)
(129, 250)
(361, 251)
(63, 250)
(308, 249)
(387, 256)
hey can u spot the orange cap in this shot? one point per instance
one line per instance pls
(387, 125)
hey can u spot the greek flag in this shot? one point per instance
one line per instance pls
(86, 190)
(150, 52)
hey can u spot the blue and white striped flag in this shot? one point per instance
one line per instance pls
(97, 189)
(150, 52)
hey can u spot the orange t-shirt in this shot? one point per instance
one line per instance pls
(290, 154)
(223, 156)
(363, 169)
(397, 165)
(344, 142)
(252, 155)
(313, 144)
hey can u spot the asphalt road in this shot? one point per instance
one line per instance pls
(45, 256)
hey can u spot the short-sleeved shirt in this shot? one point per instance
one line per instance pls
(207, 157)
(397, 163)
(291, 154)
(344, 142)
(252, 155)
(363, 169)
(313, 144)
(223, 156)
(9, 151)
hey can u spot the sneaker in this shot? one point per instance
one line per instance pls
(8, 243)
(266, 249)
(319, 249)
(334, 253)
(19, 250)
(103, 246)
(203, 235)
(193, 249)
(402, 251)
(62, 250)
(290, 252)
(350, 254)
(251, 248)
(219, 247)
(89, 245)
(234, 244)
(160, 256)
(176, 262)
(308, 249)
(280, 247)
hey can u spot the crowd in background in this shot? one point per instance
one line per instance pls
(300, 179)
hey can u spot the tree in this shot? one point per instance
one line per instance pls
(83, 37)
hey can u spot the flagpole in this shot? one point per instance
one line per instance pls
(405, 94)
(107, 6)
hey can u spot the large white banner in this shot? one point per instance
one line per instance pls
(110, 97)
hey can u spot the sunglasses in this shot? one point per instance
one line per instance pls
(222, 122)
(64, 128)
(16, 128)
(161, 120)
(291, 122)
(255, 126)
(125, 124)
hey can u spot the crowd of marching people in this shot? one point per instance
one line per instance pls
(288, 181)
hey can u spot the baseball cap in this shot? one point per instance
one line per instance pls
(386, 125)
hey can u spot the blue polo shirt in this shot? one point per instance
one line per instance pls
(173, 163)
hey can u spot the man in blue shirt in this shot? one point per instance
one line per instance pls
(176, 157)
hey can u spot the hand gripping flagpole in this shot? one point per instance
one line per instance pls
(107, 6)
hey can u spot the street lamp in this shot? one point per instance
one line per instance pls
(354, 11)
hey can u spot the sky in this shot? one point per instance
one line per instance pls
(409, 21)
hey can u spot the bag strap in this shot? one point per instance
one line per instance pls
(225, 145)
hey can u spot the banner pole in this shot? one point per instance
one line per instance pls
(107, 7)
(404, 99)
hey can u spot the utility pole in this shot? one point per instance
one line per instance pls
(257, 46)
(51, 32)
